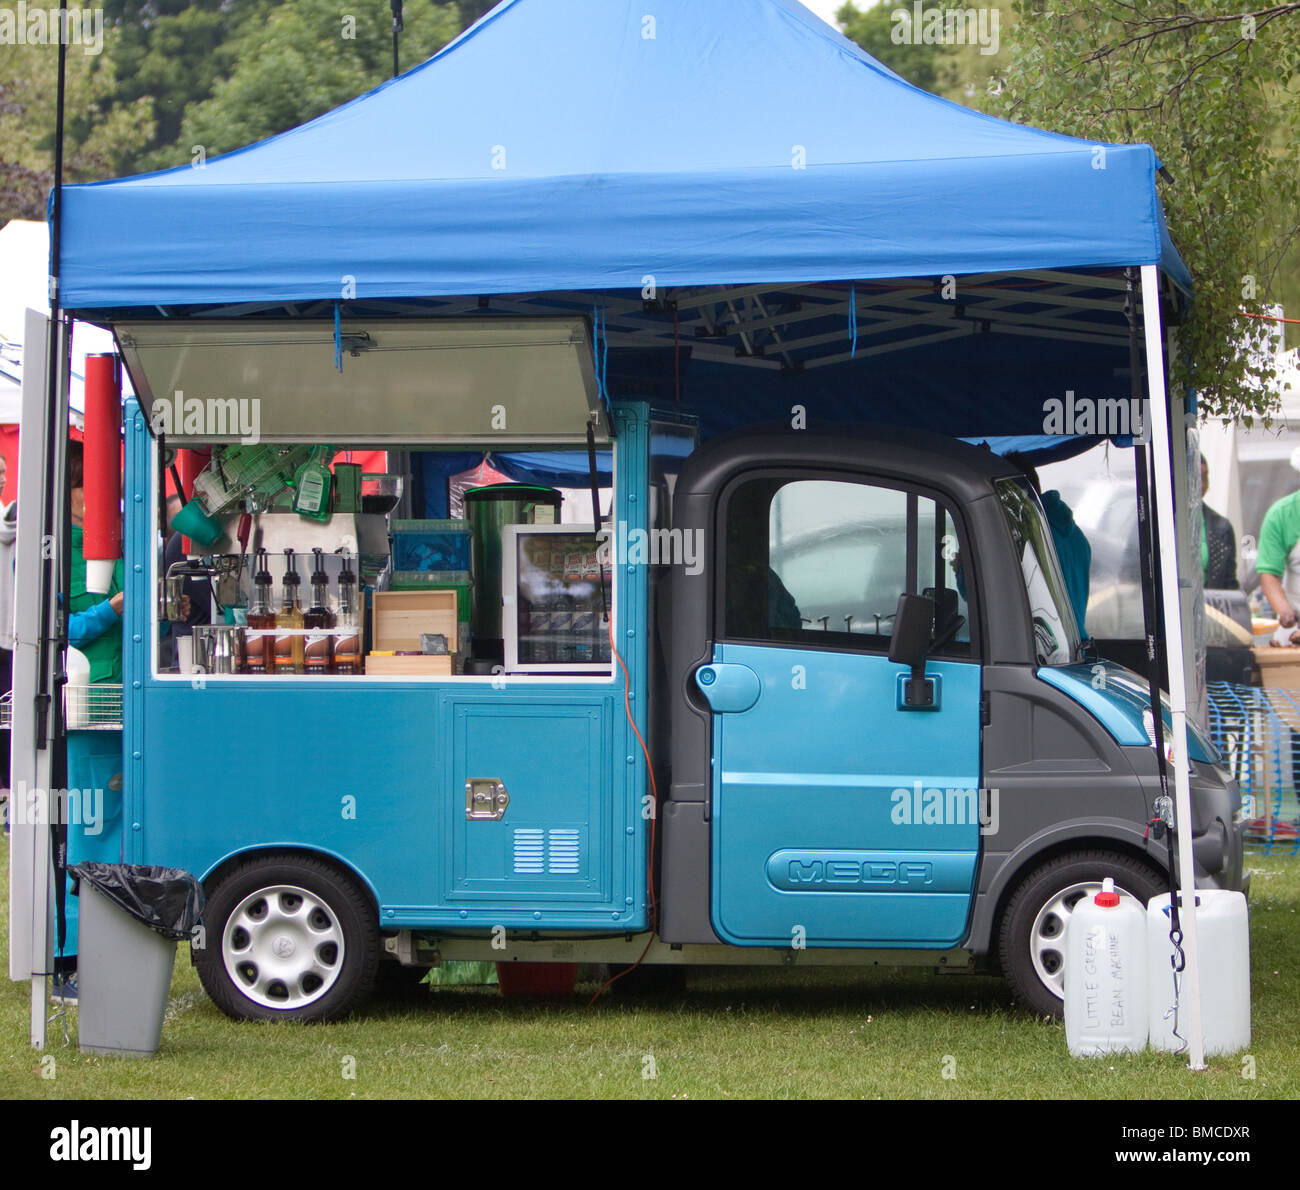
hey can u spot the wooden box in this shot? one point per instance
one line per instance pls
(401, 616)
(410, 665)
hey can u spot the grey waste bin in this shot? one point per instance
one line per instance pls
(130, 920)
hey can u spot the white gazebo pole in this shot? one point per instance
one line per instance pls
(31, 872)
(1158, 403)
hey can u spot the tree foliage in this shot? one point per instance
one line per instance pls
(1217, 94)
(178, 73)
(99, 133)
(472, 10)
(171, 52)
(293, 62)
(959, 72)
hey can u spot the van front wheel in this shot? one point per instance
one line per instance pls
(1032, 934)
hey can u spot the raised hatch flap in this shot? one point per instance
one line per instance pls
(512, 382)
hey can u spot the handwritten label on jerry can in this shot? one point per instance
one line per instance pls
(1106, 975)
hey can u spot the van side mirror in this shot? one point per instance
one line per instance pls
(910, 644)
(913, 628)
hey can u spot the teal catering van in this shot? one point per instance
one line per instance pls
(795, 694)
(795, 697)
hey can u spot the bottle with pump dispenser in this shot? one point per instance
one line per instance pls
(318, 620)
(288, 644)
(259, 640)
(347, 642)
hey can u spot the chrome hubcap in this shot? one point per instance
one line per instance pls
(1047, 935)
(283, 947)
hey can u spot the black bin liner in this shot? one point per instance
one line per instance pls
(168, 900)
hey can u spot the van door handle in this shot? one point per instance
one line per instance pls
(728, 688)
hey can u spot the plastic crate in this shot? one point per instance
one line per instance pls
(423, 546)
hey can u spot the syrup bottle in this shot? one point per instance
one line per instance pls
(318, 652)
(288, 644)
(259, 640)
(347, 646)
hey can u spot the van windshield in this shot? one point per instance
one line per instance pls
(1056, 636)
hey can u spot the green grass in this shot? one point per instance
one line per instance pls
(737, 1033)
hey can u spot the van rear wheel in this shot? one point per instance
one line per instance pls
(287, 937)
(1032, 933)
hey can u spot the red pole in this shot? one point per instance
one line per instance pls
(102, 523)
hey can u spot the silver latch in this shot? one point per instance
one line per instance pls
(486, 799)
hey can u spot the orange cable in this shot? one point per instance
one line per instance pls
(654, 823)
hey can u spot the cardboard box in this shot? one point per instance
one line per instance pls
(1279, 667)
(410, 665)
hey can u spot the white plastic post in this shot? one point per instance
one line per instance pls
(1158, 404)
(30, 872)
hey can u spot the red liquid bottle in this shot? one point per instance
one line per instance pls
(318, 650)
(347, 646)
(259, 639)
(288, 643)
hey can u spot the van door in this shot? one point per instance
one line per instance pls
(840, 816)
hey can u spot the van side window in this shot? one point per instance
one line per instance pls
(821, 563)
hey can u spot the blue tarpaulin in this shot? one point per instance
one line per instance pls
(565, 145)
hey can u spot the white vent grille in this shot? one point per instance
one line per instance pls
(529, 851)
(563, 853)
(555, 852)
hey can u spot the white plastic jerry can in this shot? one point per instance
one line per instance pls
(1106, 975)
(1223, 939)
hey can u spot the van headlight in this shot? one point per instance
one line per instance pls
(1166, 736)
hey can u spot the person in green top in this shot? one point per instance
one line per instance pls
(1278, 561)
(104, 652)
(94, 757)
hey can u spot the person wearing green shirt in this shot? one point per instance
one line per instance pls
(1278, 561)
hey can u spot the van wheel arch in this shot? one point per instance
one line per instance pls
(989, 960)
(1029, 937)
(289, 935)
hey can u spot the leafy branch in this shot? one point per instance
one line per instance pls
(1181, 21)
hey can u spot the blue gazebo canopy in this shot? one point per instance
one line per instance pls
(590, 144)
(752, 211)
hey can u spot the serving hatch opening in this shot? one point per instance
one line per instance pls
(510, 382)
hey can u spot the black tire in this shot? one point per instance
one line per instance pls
(1031, 940)
(288, 938)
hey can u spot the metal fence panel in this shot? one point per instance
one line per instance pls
(1257, 732)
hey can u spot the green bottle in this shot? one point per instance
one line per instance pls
(312, 484)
